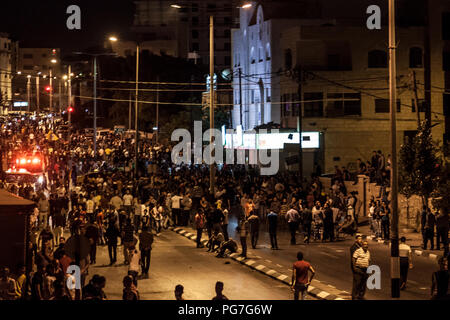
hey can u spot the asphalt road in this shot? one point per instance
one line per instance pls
(332, 264)
(175, 260)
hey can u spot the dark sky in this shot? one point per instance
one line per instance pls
(42, 23)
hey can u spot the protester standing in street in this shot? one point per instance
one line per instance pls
(353, 248)
(199, 222)
(361, 261)
(243, 233)
(405, 255)
(272, 218)
(441, 281)
(112, 234)
(292, 218)
(300, 282)
(253, 220)
(145, 246)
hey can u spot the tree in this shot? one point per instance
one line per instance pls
(441, 199)
(419, 165)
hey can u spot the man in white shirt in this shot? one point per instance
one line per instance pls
(176, 208)
(405, 255)
(127, 202)
(293, 217)
(361, 261)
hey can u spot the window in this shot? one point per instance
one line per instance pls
(260, 55)
(27, 67)
(421, 103)
(267, 52)
(194, 34)
(343, 104)
(227, 33)
(227, 60)
(28, 56)
(415, 58)
(252, 55)
(446, 60)
(195, 46)
(287, 59)
(377, 59)
(446, 26)
(252, 96)
(227, 46)
(268, 99)
(195, 21)
(382, 105)
(315, 107)
(184, 19)
(295, 105)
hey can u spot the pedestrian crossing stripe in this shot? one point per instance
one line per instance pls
(323, 294)
(240, 258)
(311, 288)
(282, 277)
(270, 272)
(188, 234)
(433, 256)
(260, 267)
(418, 252)
(250, 262)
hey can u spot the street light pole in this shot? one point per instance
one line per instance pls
(69, 94)
(211, 99)
(51, 91)
(28, 92)
(136, 106)
(37, 94)
(395, 260)
(95, 106)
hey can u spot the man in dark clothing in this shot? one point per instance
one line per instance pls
(441, 281)
(442, 231)
(272, 218)
(307, 221)
(127, 239)
(353, 248)
(112, 234)
(145, 246)
(430, 224)
(230, 245)
(328, 224)
(254, 228)
(92, 234)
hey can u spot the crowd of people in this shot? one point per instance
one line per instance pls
(107, 199)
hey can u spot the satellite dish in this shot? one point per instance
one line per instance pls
(226, 74)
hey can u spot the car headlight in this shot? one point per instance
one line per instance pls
(41, 179)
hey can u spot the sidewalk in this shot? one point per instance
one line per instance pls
(272, 269)
(413, 239)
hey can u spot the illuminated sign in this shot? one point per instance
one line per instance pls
(19, 104)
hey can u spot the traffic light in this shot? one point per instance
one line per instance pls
(48, 88)
(70, 109)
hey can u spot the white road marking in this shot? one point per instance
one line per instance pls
(249, 262)
(323, 294)
(282, 277)
(269, 261)
(260, 267)
(271, 272)
(279, 265)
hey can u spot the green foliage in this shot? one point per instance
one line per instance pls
(419, 165)
(441, 195)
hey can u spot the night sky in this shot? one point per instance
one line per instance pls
(42, 23)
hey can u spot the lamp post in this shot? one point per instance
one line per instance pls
(136, 110)
(28, 92)
(211, 100)
(95, 55)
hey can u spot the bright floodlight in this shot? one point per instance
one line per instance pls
(246, 6)
(65, 77)
(19, 72)
(175, 6)
(114, 39)
(53, 61)
(28, 76)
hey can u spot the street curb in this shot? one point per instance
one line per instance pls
(417, 252)
(313, 291)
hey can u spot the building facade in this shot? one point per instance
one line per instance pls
(6, 70)
(344, 91)
(183, 26)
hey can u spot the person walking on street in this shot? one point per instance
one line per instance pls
(361, 261)
(430, 222)
(353, 248)
(145, 246)
(253, 220)
(272, 218)
(199, 222)
(440, 281)
(179, 290)
(300, 280)
(442, 226)
(128, 240)
(307, 222)
(405, 255)
(112, 234)
(243, 233)
(225, 224)
(292, 217)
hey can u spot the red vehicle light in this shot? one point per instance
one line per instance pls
(36, 160)
(23, 161)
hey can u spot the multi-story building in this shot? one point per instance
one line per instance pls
(344, 89)
(34, 60)
(6, 70)
(182, 28)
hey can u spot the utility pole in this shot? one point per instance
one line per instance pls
(211, 100)
(415, 98)
(157, 110)
(69, 94)
(28, 92)
(51, 91)
(395, 260)
(37, 94)
(299, 125)
(59, 95)
(136, 107)
(129, 111)
(427, 63)
(95, 106)
(240, 95)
